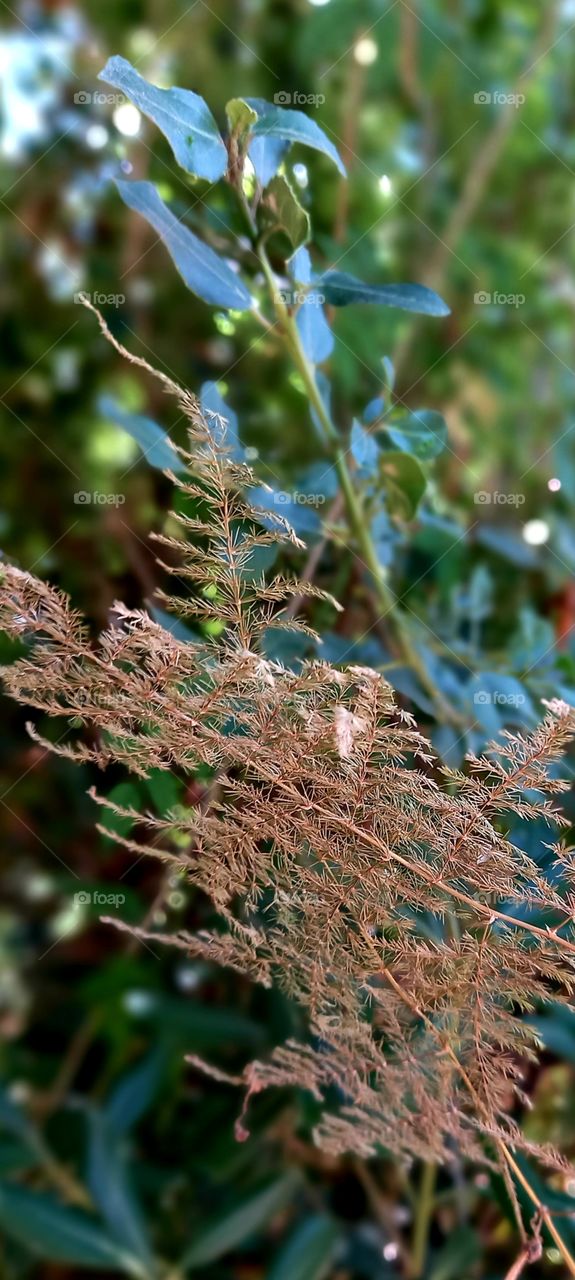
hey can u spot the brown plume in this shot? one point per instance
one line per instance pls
(376, 889)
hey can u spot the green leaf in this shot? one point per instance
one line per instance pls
(59, 1234)
(308, 1251)
(282, 210)
(404, 483)
(109, 1183)
(202, 270)
(165, 790)
(341, 289)
(241, 117)
(183, 117)
(153, 440)
(246, 1220)
(127, 796)
(422, 432)
(292, 126)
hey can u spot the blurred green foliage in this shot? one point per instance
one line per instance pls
(114, 1154)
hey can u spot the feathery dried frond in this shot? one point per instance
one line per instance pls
(392, 906)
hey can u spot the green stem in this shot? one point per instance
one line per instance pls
(422, 1221)
(355, 510)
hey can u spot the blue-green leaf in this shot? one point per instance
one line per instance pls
(499, 699)
(111, 1189)
(374, 410)
(388, 372)
(507, 543)
(213, 402)
(241, 1223)
(314, 330)
(204, 272)
(341, 289)
(364, 450)
(291, 126)
(421, 432)
(309, 1250)
(183, 117)
(384, 537)
(266, 155)
(135, 1092)
(556, 1028)
(293, 506)
(152, 439)
(56, 1233)
(172, 623)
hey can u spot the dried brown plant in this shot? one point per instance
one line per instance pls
(376, 889)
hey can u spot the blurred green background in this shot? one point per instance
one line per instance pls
(456, 121)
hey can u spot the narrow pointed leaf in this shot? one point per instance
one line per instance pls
(204, 272)
(292, 126)
(241, 1223)
(183, 117)
(314, 330)
(156, 445)
(309, 1250)
(341, 289)
(135, 1092)
(112, 1192)
(57, 1233)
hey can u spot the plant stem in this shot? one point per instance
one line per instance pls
(356, 514)
(422, 1221)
